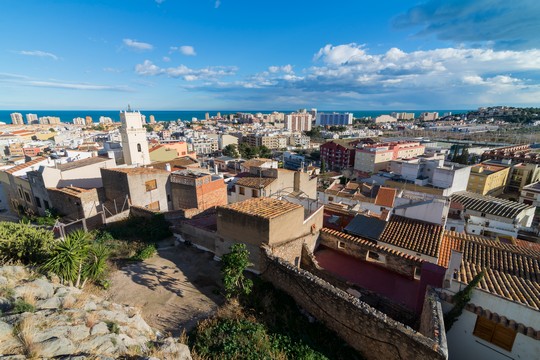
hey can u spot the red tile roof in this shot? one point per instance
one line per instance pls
(266, 208)
(414, 235)
(385, 197)
(26, 165)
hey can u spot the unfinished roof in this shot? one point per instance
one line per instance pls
(266, 208)
(254, 182)
(177, 163)
(512, 271)
(414, 235)
(138, 170)
(81, 163)
(16, 168)
(255, 162)
(71, 191)
(489, 204)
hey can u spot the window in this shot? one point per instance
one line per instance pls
(494, 333)
(254, 193)
(452, 228)
(139, 148)
(330, 198)
(27, 196)
(151, 185)
(417, 273)
(153, 206)
(38, 201)
(375, 257)
(241, 191)
(20, 193)
(341, 245)
(168, 197)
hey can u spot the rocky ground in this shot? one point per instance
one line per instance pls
(43, 319)
(175, 289)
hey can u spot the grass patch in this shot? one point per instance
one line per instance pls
(145, 253)
(20, 306)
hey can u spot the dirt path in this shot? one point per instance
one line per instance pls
(175, 288)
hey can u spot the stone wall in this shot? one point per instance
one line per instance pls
(432, 319)
(394, 310)
(369, 331)
(201, 238)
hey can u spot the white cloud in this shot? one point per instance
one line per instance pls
(37, 53)
(187, 50)
(58, 84)
(340, 54)
(137, 45)
(147, 68)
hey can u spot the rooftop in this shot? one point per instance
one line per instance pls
(33, 162)
(489, 204)
(418, 236)
(71, 190)
(385, 196)
(366, 227)
(254, 182)
(138, 170)
(81, 163)
(512, 271)
(266, 208)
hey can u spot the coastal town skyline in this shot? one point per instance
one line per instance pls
(213, 55)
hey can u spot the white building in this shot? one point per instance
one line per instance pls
(300, 121)
(384, 119)
(49, 120)
(324, 119)
(17, 119)
(105, 120)
(134, 142)
(31, 119)
(79, 121)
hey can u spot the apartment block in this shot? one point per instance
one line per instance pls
(372, 158)
(339, 154)
(488, 179)
(17, 119)
(340, 119)
(298, 121)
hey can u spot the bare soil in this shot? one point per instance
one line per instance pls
(175, 289)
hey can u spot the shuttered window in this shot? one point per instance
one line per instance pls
(494, 333)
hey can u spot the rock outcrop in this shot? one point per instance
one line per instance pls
(42, 319)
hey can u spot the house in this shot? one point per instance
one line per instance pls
(258, 163)
(76, 203)
(85, 174)
(492, 217)
(169, 151)
(137, 186)
(268, 221)
(502, 318)
(180, 163)
(372, 158)
(487, 179)
(196, 191)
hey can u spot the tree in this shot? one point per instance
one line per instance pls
(460, 301)
(264, 152)
(231, 151)
(323, 166)
(233, 266)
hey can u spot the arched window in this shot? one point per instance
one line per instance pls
(139, 148)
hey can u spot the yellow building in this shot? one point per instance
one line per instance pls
(488, 179)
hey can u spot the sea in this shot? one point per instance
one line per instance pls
(67, 116)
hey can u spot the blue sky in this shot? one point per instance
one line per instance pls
(255, 54)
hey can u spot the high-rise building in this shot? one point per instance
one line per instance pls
(17, 119)
(300, 121)
(31, 119)
(105, 120)
(334, 119)
(152, 119)
(134, 142)
(78, 121)
(89, 120)
(49, 120)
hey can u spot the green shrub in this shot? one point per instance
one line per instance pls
(23, 243)
(138, 228)
(113, 327)
(145, 253)
(21, 306)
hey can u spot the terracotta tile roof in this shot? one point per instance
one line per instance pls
(448, 244)
(178, 163)
(255, 162)
(254, 182)
(138, 170)
(385, 197)
(512, 271)
(414, 235)
(489, 204)
(370, 243)
(26, 165)
(528, 244)
(266, 208)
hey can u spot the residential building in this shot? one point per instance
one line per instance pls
(486, 179)
(293, 161)
(263, 182)
(17, 119)
(338, 154)
(502, 318)
(432, 171)
(85, 174)
(258, 163)
(298, 140)
(197, 191)
(105, 120)
(79, 121)
(226, 139)
(493, 217)
(49, 120)
(403, 115)
(89, 120)
(372, 158)
(272, 142)
(134, 142)
(222, 163)
(523, 174)
(339, 119)
(300, 121)
(144, 187)
(530, 195)
(203, 146)
(429, 116)
(76, 203)
(180, 163)
(384, 119)
(268, 221)
(32, 119)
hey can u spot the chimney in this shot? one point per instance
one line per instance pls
(168, 167)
